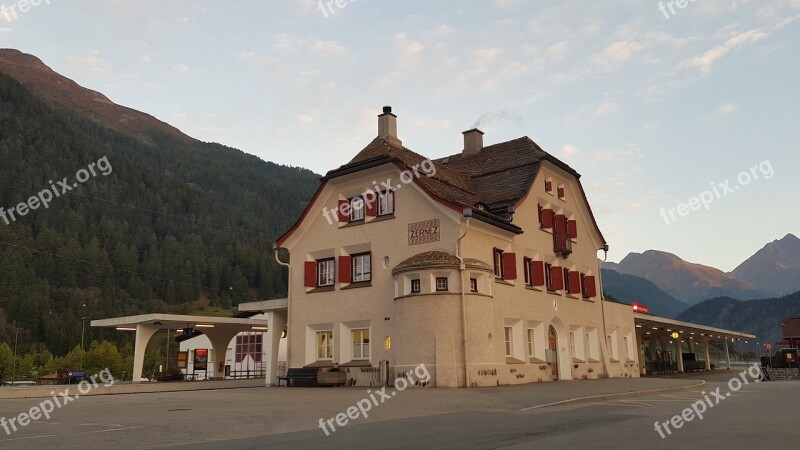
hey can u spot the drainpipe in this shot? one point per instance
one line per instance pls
(602, 307)
(277, 249)
(461, 268)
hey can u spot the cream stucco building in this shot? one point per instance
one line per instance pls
(483, 266)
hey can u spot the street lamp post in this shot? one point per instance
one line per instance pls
(83, 333)
(14, 370)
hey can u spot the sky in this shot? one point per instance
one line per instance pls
(683, 122)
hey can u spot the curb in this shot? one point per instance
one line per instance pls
(611, 396)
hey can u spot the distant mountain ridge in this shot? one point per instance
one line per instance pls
(761, 317)
(683, 280)
(630, 289)
(43, 82)
(775, 268)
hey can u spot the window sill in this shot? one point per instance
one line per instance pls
(510, 360)
(554, 292)
(614, 360)
(502, 281)
(588, 299)
(321, 289)
(358, 284)
(578, 360)
(572, 296)
(352, 224)
(382, 218)
(536, 361)
(592, 360)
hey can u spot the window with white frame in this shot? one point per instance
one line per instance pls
(356, 209)
(509, 341)
(416, 286)
(613, 348)
(627, 343)
(473, 285)
(386, 203)
(591, 344)
(361, 343)
(532, 342)
(362, 267)
(441, 284)
(325, 345)
(325, 272)
(572, 344)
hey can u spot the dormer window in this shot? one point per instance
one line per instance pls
(548, 186)
(561, 193)
(386, 203)
(356, 209)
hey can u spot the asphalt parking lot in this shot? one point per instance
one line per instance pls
(756, 415)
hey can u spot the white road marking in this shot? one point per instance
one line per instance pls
(44, 436)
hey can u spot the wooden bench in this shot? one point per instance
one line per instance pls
(307, 374)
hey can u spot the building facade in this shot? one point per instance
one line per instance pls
(482, 266)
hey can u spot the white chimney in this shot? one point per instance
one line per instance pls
(473, 141)
(387, 126)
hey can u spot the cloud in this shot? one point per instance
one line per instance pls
(331, 48)
(706, 61)
(183, 68)
(727, 108)
(406, 47)
(606, 108)
(568, 150)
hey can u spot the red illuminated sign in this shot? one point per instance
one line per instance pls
(640, 308)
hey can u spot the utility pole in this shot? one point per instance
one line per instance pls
(83, 333)
(14, 370)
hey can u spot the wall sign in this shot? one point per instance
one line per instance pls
(424, 232)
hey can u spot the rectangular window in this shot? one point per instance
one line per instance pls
(362, 264)
(324, 345)
(356, 209)
(361, 343)
(249, 345)
(526, 267)
(509, 342)
(531, 342)
(566, 280)
(572, 344)
(498, 263)
(325, 272)
(386, 203)
(441, 284)
(415, 286)
(473, 285)
(548, 276)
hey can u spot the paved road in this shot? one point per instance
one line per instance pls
(757, 416)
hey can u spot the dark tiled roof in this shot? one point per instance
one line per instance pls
(489, 181)
(791, 327)
(437, 259)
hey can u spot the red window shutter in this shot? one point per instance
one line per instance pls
(560, 192)
(548, 186)
(541, 223)
(311, 274)
(591, 287)
(557, 275)
(343, 218)
(560, 225)
(371, 204)
(547, 218)
(345, 269)
(574, 282)
(537, 267)
(572, 229)
(509, 266)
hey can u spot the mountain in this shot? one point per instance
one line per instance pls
(67, 94)
(172, 225)
(630, 288)
(775, 268)
(761, 317)
(690, 282)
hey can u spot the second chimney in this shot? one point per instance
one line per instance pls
(387, 126)
(473, 141)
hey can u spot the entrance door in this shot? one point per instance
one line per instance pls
(552, 346)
